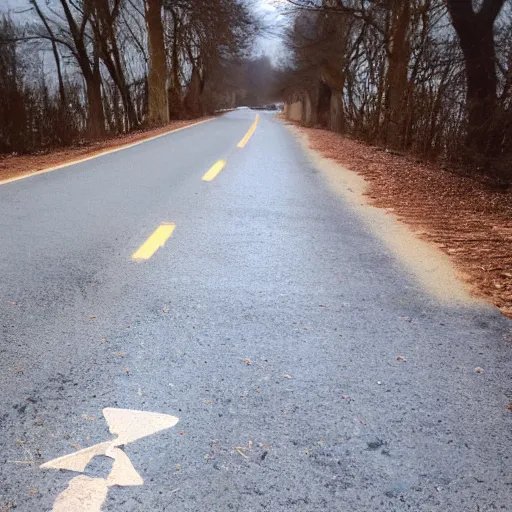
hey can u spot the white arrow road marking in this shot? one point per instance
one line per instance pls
(87, 494)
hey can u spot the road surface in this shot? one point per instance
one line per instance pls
(270, 323)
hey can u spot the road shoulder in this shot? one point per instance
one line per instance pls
(459, 250)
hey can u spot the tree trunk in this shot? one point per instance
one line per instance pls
(95, 112)
(309, 109)
(158, 110)
(396, 78)
(323, 104)
(192, 100)
(175, 99)
(476, 36)
(337, 113)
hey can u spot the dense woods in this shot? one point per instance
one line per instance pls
(431, 77)
(75, 70)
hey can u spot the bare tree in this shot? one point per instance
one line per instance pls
(428, 76)
(476, 35)
(116, 64)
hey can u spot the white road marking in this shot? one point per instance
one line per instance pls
(87, 494)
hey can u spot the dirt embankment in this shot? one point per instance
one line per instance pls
(15, 166)
(467, 219)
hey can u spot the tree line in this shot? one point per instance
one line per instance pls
(432, 77)
(75, 70)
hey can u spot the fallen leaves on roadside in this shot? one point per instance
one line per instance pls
(509, 407)
(86, 417)
(33, 491)
(121, 354)
(242, 449)
(246, 360)
(92, 317)
(464, 215)
(479, 370)
(76, 446)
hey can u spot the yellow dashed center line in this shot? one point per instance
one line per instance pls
(249, 133)
(214, 170)
(154, 242)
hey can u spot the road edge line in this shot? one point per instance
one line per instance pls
(100, 154)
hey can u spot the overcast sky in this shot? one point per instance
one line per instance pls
(270, 44)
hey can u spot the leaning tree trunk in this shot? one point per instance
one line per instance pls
(476, 36)
(158, 110)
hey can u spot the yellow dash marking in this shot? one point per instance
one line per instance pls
(214, 170)
(249, 133)
(154, 242)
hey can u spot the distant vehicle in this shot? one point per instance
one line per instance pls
(269, 106)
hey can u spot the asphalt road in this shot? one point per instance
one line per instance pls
(269, 323)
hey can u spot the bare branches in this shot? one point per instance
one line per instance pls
(404, 73)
